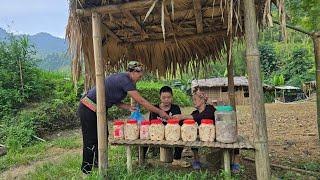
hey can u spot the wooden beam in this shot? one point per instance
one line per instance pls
(198, 15)
(110, 33)
(316, 44)
(294, 28)
(230, 71)
(135, 23)
(256, 92)
(115, 8)
(172, 40)
(101, 105)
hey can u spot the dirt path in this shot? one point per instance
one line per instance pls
(56, 155)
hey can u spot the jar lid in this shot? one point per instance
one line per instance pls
(224, 108)
(188, 121)
(132, 121)
(156, 121)
(206, 121)
(118, 123)
(145, 122)
(173, 121)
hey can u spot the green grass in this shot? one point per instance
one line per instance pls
(68, 168)
(37, 152)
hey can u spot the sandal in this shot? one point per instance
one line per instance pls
(181, 163)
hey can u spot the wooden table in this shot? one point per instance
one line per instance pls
(241, 143)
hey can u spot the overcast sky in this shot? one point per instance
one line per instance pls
(31, 17)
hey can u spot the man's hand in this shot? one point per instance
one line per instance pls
(163, 114)
(178, 116)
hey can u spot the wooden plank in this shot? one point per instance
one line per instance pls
(256, 92)
(100, 85)
(198, 15)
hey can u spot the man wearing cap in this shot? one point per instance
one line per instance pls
(117, 86)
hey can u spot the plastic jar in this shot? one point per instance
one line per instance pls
(172, 130)
(131, 130)
(207, 130)
(144, 130)
(189, 130)
(226, 124)
(156, 130)
(118, 128)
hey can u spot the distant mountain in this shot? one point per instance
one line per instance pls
(44, 42)
(50, 48)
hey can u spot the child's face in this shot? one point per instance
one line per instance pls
(197, 101)
(166, 98)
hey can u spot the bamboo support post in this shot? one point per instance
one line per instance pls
(129, 159)
(316, 43)
(256, 92)
(101, 106)
(226, 162)
(230, 70)
(166, 154)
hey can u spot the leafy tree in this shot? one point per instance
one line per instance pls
(268, 58)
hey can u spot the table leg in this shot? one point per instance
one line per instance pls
(141, 157)
(226, 161)
(129, 159)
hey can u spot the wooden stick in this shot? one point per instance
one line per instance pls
(198, 15)
(101, 103)
(256, 92)
(39, 138)
(294, 28)
(115, 8)
(2, 145)
(287, 167)
(129, 159)
(316, 44)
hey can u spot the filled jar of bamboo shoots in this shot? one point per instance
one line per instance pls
(207, 130)
(156, 130)
(189, 130)
(131, 130)
(172, 130)
(226, 124)
(118, 128)
(144, 130)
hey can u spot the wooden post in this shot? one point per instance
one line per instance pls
(316, 43)
(226, 162)
(129, 159)
(166, 154)
(101, 106)
(256, 92)
(230, 70)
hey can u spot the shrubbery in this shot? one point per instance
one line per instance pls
(150, 91)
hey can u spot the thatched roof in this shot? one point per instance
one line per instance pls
(166, 36)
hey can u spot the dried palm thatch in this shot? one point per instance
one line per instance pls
(165, 35)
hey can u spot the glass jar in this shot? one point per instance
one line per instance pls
(226, 124)
(207, 130)
(118, 127)
(131, 131)
(189, 130)
(156, 130)
(172, 130)
(144, 130)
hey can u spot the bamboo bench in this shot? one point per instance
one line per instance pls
(241, 143)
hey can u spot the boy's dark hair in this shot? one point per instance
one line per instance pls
(166, 89)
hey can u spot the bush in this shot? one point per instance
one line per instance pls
(150, 91)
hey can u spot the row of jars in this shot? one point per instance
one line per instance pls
(155, 130)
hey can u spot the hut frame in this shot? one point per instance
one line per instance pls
(210, 42)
